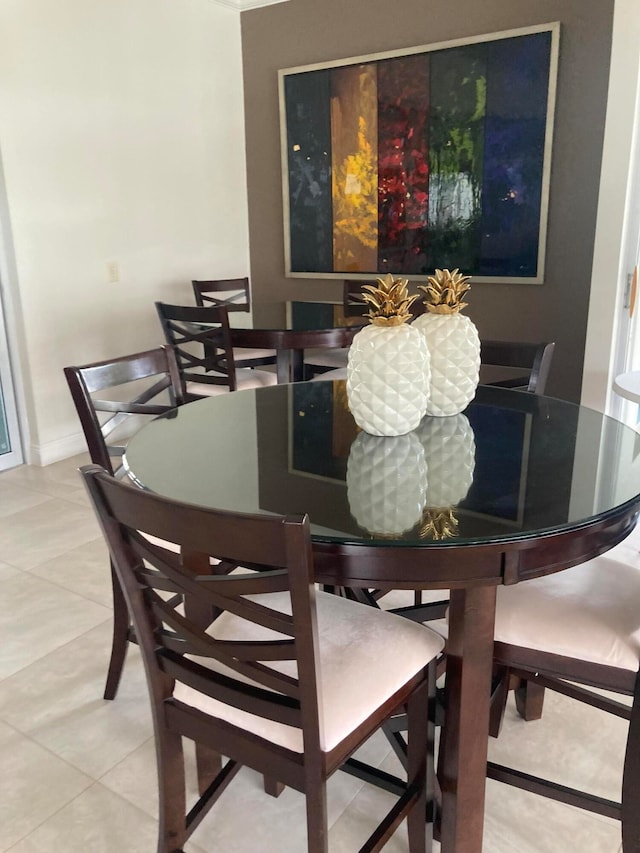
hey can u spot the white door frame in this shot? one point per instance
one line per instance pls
(14, 456)
(612, 238)
(10, 374)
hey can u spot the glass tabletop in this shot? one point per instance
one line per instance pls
(512, 466)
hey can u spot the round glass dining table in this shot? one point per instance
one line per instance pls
(515, 487)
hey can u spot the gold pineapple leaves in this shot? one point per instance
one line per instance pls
(389, 302)
(438, 524)
(445, 291)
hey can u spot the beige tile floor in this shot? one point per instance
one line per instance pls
(77, 774)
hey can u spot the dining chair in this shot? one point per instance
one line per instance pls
(323, 361)
(353, 305)
(202, 343)
(569, 632)
(235, 295)
(516, 364)
(141, 378)
(256, 664)
(509, 364)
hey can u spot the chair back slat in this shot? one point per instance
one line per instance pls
(119, 375)
(258, 625)
(232, 293)
(225, 593)
(207, 645)
(202, 342)
(247, 697)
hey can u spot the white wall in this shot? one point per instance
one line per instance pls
(122, 139)
(610, 260)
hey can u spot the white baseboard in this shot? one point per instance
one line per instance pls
(55, 451)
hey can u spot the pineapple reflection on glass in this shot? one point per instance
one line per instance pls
(387, 483)
(450, 450)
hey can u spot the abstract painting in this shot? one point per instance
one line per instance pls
(437, 156)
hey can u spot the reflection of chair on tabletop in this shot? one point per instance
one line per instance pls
(257, 665)
(202, 342)
(152, 374)
(233, 294)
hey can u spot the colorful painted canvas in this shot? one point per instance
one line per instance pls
(410, 160)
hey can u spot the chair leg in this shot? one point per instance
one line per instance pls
(273, 787)
(499, 695)
(631, 780)
(172, 803)
(208, 766)
(317, 832)
(529, 700)
(420, 764)
(120, 639)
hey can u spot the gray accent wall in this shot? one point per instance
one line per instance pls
(300, 32)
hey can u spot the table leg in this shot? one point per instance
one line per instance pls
(289, 366)
(283, 366)
(463, 767)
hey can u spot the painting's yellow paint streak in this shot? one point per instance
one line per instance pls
(354, 140)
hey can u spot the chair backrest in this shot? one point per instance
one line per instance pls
(352, 301)
(202, 343)
(534, 359)
(233, 293)
(158, 365)
(172, 629)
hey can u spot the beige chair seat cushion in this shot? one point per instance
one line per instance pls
(245, 378)
(590, 612)
(330, 375)
(327, 357)
(405, 598)
(365, 656)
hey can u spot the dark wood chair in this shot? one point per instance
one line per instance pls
(234, 294)
(516, 364)
(153, 374)
(202, 342)
(569, 632)
(509, 364)
(258, 665)
(353, 304)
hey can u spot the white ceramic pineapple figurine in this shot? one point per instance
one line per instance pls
(388, 367)
(453, 343)
(450, 451)
(386, 483)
